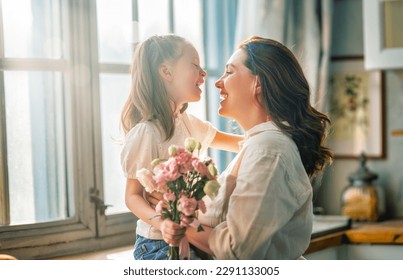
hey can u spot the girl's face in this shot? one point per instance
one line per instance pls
(187, 77)
(237, 88)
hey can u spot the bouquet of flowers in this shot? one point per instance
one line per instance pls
(184, 179)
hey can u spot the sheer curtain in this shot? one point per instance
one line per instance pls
(303, 26)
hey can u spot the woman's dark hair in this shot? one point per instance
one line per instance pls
(286, 97)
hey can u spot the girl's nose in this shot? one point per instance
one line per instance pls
(203, 72)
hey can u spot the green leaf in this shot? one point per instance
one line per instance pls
(200, 228)
(199, 194)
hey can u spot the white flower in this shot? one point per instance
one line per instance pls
(211, 188)
(145, 178)
(172, 150)
(190, 144)
(212, 169)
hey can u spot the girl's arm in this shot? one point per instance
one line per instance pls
(227, 141)
(138, 205)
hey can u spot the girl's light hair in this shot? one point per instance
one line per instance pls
(148, 99)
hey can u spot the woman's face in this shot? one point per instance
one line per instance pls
(237, 88)
(187, 77)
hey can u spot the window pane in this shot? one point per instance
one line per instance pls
(114, 30)
(114, 91)
(36, 147)
(32, 28)
(153, 20)
(393, 22)
(189, 23)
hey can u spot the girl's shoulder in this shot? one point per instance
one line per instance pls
(145, 130)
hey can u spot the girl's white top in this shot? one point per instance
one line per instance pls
(263, 209)
(146, 142)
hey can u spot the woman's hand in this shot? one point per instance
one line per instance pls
(153, 198)
(172, 232)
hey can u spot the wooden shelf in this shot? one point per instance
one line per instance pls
(389, 232)
(398, 132)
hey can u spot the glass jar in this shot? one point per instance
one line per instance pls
(362, 199)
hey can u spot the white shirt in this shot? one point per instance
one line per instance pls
(264, 207)
(146, 142)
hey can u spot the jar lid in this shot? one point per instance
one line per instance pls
(363, 173)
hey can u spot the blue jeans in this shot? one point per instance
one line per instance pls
(149, 249)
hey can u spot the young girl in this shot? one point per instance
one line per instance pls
(166, 75)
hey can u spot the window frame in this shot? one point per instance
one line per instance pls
(87, 229)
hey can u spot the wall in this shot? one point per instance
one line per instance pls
(348, 41)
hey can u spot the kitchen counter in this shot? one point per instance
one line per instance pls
(326, 224)
(386, 232)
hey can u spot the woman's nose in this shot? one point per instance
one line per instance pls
(218, 83)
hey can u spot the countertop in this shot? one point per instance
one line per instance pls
(331, 232)
(326, 224)
(387, 232)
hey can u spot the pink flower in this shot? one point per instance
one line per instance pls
(184, 161)
(187, 205)
(159, 207)
(169, 196)
(171, 170)
(166, 172)
(160, 181)
(202, 206)
(200, 167)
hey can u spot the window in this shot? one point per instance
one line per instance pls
(64, 75)
(219, 39)
(33, 133)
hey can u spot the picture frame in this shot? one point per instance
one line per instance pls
(356, 109)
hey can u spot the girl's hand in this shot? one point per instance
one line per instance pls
(172, 232)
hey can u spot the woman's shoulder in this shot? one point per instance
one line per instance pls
(272, 140)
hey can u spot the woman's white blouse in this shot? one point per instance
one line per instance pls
(264, 208)
(146, 141)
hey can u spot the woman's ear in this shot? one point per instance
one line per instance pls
(165, 72)
(258, 86)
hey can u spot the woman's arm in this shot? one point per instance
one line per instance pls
(200, 239)
(226, 141)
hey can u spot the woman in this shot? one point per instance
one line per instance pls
(264, 207)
